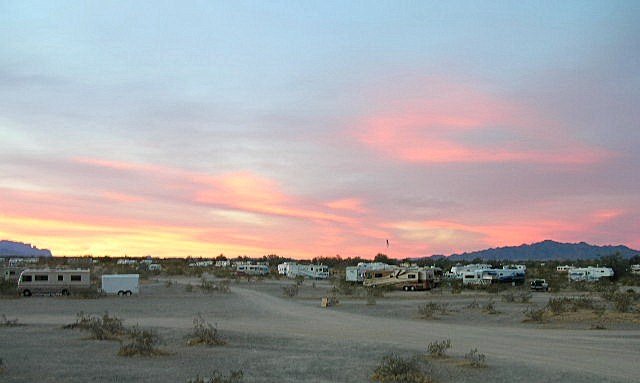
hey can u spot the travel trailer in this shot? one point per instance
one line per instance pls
(293, 269)
(121, 284)
(483, 277)
(244, 269)
(635, 269)
(356, 273)
(53, 281)
(458, 271)
(590, 274)
(406, 279)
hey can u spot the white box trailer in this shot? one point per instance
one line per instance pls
(121, 284)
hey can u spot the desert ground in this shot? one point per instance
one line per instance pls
(273, 338)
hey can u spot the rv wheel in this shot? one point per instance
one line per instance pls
(128, 293)
(64, 292)
(405, 288)
(412, 288)
(120, 293)
(26, 293)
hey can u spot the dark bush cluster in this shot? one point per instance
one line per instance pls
(395, 369)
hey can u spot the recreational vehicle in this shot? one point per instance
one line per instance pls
(121, 284)
(458, 271)
(406, 279)
(635, 269)
(244, 269)
(53, 281)
(564, 268)
(590, 274)
(483, 277)
(356, 273)
(292, 270)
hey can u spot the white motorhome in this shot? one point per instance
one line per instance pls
(252, 269)
(357, 273)
(121, 284)
(590, 274)
(293, 269)
(635, 269)
(53, 281)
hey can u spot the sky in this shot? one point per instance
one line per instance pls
(318, 128)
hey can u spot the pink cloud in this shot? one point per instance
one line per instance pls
(446, 122)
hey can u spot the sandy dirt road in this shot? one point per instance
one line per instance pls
(287, 340)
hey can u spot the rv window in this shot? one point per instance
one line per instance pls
(411, 276)
(60, 277)
(76, 278)
(42, 277)
(12, 272)
(26, 278)
(377, 275)
(469, 276)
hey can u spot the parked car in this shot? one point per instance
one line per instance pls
(539, 285)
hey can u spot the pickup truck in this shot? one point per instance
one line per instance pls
(539, 285)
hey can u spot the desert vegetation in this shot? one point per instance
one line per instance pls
(218, 377)
(396, 369)
(438, 349)
(141, 342)
(6, 322)
(475, 359)
(204, 333)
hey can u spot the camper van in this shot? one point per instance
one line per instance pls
(52, 281)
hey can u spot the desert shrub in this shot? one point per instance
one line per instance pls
(343, 287)
(168, 283)
(8, 287)
(524, 296)
(141, 342)
(395, 369)
(439, 349)
(509, 297)
(456, 287)
(489, 307)
(290, 290)
(204, 333)
(607, 291)
(582, 302)
(534, 314)
(103, 327)
(188, 288)
(218, 377)
(299, 280)
(208, 286)
(474, 304)
(475, 359)
(497, 287)
(371, 293)
(623, 302)
(558, 305)
(2, 366)
(6, 322)
(428, 310)
(224, 286)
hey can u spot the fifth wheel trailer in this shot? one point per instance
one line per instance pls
(121, 284)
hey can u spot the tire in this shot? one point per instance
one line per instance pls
(65, 293)
(405, 288)
(120, 293)
(128, 293)
(412, 288)
(26, 293)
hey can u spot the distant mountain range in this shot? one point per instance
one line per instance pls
(545, 250)
(19, 249)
